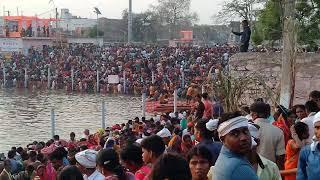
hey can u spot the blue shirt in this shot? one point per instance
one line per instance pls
(231, 166)
(214, 148)
(309, 164)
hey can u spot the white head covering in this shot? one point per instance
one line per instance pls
(139, 140)
(172, 115)
(316, 118)
(164, 133)
(234, 123)
(87, 158)
(212, 124)
(254, 132)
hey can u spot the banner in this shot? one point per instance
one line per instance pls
(10, 45)
(113, 79)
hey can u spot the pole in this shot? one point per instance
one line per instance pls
(288, 55)
(56, 19)
(4, 75)
(97, 81)
(124, 82)
(103, 119)
(53, 123)
(175, 101)
(143, 104)
(25, 78)
(202, 89)
(72, 79)
(130, 22)
(49, 78)
(153, 77)
(97, 29)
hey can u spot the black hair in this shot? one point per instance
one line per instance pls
(172, 167)
(300, 129)
(70, 173)
(200, 151)
(19, 150)
(109, 160)
(32, 154)
(58, 154)
(72, 134)
(11, 154)
(227, 116)
(155, 144)
(205, 95)
(201, 127)
(56, 137)
(311, 106)
(301, 106)
(245, 22)
(132, 153)
(262, 109)
(314, 94)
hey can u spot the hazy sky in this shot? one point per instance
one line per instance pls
(109, 8)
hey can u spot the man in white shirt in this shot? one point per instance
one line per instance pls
(311, 110)
(86, 162)
(272, 144)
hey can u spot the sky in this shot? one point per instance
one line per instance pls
(109, 8)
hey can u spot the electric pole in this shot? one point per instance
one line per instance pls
(288, 55)
(130, 22)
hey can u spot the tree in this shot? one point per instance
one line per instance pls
(144, 26)
(175, 14)
(269, 24)
(235, 9)
(308, 17)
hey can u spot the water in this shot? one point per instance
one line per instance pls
(25, 116)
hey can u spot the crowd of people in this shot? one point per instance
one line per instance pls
(154, 70)
(249, 144)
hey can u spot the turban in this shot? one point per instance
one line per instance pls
(231, 124)
(164, 133)
(315, 141)
(87, 158)
(212, 124)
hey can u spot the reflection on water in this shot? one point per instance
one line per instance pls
(25, 116)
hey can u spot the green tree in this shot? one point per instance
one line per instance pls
(308, 17)
(269, 24)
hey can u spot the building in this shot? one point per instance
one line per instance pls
(71, 23)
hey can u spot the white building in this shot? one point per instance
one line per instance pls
(71, 23)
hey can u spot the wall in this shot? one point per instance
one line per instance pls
(266, 67)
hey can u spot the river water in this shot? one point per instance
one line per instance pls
(25, 116)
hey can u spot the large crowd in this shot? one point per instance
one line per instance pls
(249, 144)
(154, 70)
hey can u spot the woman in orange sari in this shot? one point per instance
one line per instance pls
(300, 134)
(284, 122)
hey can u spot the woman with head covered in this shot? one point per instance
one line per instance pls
(232, 162)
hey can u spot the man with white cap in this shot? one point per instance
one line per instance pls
(86, 162)
(265, 169)
(309, 158)
(165, 134)
(232, 162)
